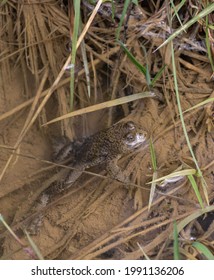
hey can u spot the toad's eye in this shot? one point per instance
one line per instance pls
(130, 125)
(130, 137)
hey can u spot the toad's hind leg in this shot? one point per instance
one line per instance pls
(47, 196)
(60, 186)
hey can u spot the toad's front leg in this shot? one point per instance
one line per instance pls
(115, 172)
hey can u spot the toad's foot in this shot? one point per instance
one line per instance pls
(46, 197)
(116, 173)
(33, 226)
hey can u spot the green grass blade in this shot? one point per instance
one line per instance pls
(10, 230)
(74, 48)
(158, 75)
(85, 62)
(135, 2)
(200, 104)
(125, 7)
(28, 250)
(203, 249)
(153, 156)
(3, 2)
(148, 77)
(176, 12)
(178, 7)
(154, 176)
(113, 10)
(208, 44)
(183, 124)
(34, 247)
(141, 68)
(175, 242)
(152, 190)
(133, 59)
(196, 190)
(194, 216)
(209, 9)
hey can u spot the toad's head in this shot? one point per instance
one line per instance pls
(133, 136)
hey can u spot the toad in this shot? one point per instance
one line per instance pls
(106, 146)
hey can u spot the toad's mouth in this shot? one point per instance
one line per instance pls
(140, 139)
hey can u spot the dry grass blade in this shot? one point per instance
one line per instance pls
(103, 105)
(194, 216)
(209, 9)
(28, 123)
(106, 238)
(30, 101)
(27, 250)
(175, 174)
(88, 24)
(152, 191)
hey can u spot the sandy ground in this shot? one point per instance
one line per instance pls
(95, 206)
